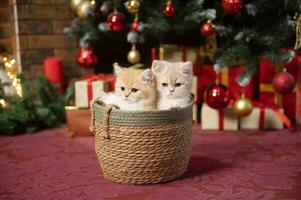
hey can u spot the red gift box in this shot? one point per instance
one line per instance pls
(226, 77)
(267, 93)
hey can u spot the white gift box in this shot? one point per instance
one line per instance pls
(270, 119)
(85, 91)
(212, 119)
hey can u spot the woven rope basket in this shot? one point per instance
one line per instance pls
(141, 147)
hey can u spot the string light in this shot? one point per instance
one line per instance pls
(9, 64)
(3, 103)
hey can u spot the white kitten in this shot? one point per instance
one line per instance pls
(174, 83)
(135, 90)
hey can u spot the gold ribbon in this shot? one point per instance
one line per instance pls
(224, 78)
(161, 53)
(263, 87)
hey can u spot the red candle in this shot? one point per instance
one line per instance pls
(53, 69)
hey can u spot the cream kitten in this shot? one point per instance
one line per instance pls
(174, 83)
(134, 90)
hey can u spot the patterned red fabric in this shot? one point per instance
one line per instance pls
(248, 165)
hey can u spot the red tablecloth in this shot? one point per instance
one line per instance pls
(224, 165)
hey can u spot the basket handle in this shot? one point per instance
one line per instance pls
(105, 121)
(106, 116)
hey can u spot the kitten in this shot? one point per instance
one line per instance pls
(174, 83)
(135, 89)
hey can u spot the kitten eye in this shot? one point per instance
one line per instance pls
(164, 84)
(134, 90)
(178, 84)
(122, 88)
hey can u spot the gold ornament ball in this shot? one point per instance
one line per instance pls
(243, 107)
(133, 6)
(133, 56)
(75, 3)
(84, 8)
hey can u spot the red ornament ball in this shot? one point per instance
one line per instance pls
(284, 83)
(232, 6)
(116, 21)
(207, 29)
(217, 96)
(169, 10)
(87, 58)
(134, 26)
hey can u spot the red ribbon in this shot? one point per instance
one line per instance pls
(153, 54)
(183, 53)
(276, 110)
(221, 119)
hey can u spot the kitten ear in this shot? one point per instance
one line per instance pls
(117, 70)
(158, 67)
(186, 68)
(147, 76)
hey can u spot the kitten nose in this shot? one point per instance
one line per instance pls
(127, 94)
(171, 90)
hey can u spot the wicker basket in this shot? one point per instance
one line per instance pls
(142, 147)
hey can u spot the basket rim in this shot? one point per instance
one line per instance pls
(116, 109)
(98, 102)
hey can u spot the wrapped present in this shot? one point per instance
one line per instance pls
(226, 77)
(110, 78)
(267, 93)
(86, 90)
(212, 119)
(78, 121)
(265, 117)
(175, 53)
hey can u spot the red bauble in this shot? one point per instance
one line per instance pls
(217, 96)
(116, 21)
(86, 58)
(232, 6)
(134, 26)
(169, 10)
(284, 83)
(207, 29)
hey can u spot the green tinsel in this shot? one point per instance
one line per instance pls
(32, 113)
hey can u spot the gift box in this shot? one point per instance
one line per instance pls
(86, 90)
(176, 53)
(265, 117)
(267, 93)
(78, 121)
(224, 119)
(110, 78)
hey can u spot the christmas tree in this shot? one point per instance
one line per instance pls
(246, 31)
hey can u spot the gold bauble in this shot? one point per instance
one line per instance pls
(133, 56)
(75, 3)
(243, 106)
(133, 6)
(84, 8)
